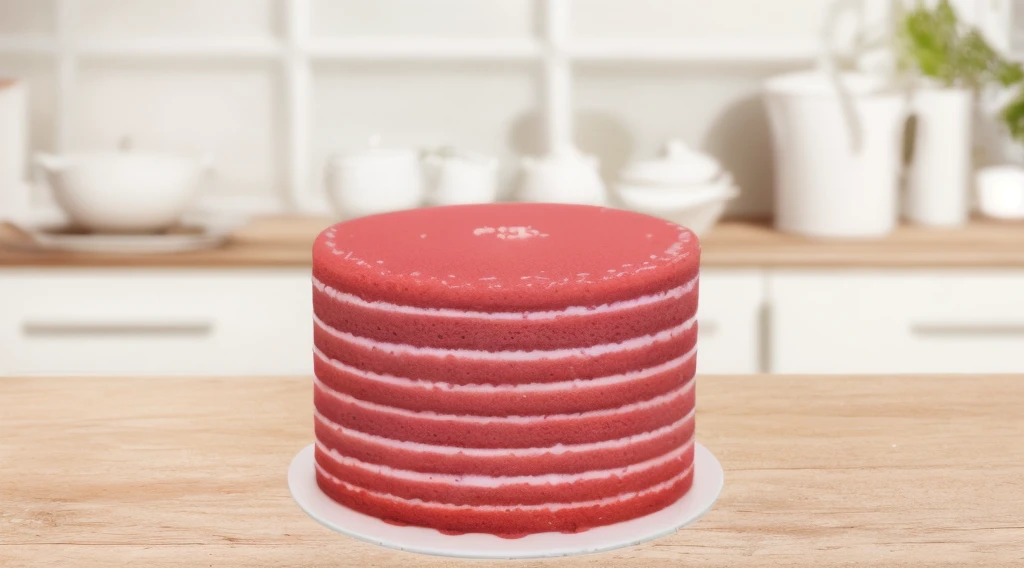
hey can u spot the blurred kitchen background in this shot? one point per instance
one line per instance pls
(853, 166)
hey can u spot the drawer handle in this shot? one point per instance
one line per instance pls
(993, 329)
(64, 329)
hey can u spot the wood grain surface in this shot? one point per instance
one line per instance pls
(882, 471)
(286, 241)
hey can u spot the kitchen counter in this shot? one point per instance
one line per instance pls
(285, 242)
(820, 471)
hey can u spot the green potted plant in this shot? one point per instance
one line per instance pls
(947, 63)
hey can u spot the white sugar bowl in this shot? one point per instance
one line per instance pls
(684, 186)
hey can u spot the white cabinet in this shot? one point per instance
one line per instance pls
(155, 322)
(730, 321)
(889, 321)
(258, 321)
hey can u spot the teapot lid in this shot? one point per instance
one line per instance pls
(678, 165)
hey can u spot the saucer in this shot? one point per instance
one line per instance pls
(189, 236)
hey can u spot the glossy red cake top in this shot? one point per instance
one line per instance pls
(505, 257)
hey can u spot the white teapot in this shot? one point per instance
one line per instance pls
(457, 178)
(564, 176)
(374, 180)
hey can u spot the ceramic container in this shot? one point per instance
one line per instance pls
(939, 168)
(837, 163)
(678, 167)
(125, 191)
(682, 185)
(1001, 192)
(374, 180)
(568, 176)
(457, 178)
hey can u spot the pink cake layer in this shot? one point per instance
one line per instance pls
(499, 400)
(461, 367)
(505, 257)
(560, 458)
(505, 520)
(458, 329)
(503, 432)
(506, 490)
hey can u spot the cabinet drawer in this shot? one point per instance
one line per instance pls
(897, 322)
(153, 322)
(729, 316)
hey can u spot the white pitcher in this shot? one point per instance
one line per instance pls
(838, 142)
(826, 183)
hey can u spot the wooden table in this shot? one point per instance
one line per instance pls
(286, 242)
(838, 471)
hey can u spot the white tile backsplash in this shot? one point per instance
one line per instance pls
(696, 19)
(24, 17)
(177, 18)
(416, 18)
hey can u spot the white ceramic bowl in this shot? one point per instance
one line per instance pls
(123, 192)
(695, 210)
(1001, 192)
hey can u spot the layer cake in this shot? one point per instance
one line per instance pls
(505, 368)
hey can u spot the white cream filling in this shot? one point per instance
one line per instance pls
(557, 449)
(535, 355)
(489, 481)
(512, 419)
(345, 297)
(524, 388)
(505, 508)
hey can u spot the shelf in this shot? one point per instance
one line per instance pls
(406, 49)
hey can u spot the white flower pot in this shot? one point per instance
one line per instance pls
(939, 173)
(836, 172)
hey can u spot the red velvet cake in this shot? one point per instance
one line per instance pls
(506, 369)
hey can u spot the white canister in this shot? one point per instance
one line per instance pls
(460, 178)
(836, 172)
(14, 194)
(375, 180)
(564, 176)
(939, 172)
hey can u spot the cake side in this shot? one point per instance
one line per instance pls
(481, 403)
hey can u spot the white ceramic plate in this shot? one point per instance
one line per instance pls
(707, 485)
(197, 236)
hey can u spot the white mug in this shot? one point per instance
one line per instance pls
(375, 180)
(565, 177)
(460, 178)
